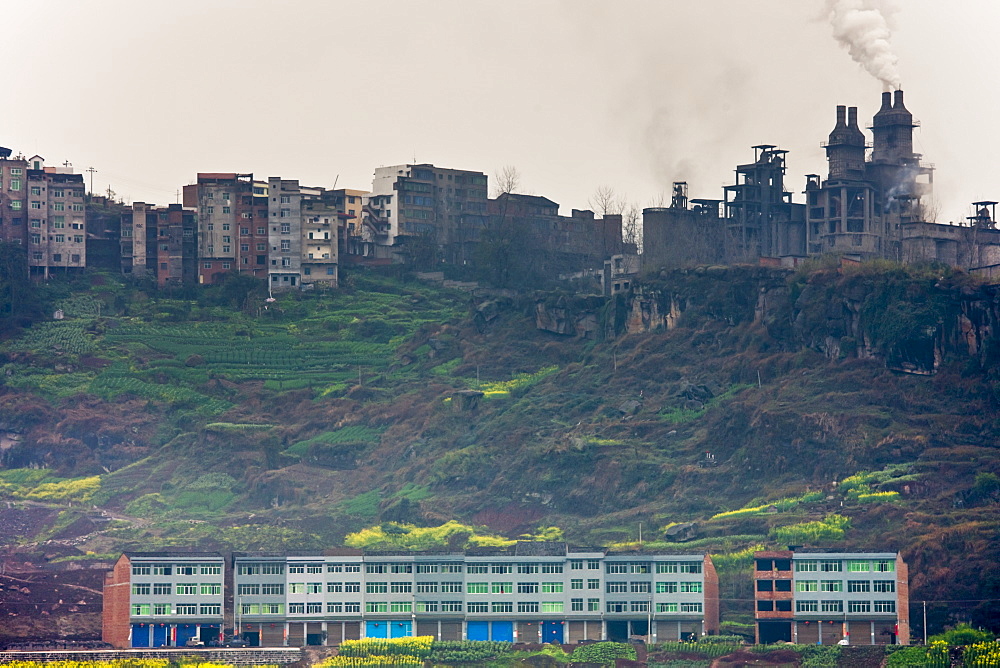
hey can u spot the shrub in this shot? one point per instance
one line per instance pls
(603, 652)
(963, 634)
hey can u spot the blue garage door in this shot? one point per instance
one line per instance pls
(503, 631)
(161, 635)
(400, 628)
(478, 631)
(376, 630)
(185, 632)
(552, 631)
(140, 635)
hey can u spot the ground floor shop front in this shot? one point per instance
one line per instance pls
(300, 634)
(167, 634)
(830, 632)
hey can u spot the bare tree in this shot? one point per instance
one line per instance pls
(506, 181)
(632, 226)
(606, 201)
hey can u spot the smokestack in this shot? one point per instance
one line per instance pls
(899, 100)
(886, 101)
(852, 118)
(841, 112)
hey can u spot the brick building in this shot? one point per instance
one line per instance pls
(163, 599)
(160, 242)
(824, 598)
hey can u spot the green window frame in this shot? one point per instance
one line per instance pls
(806, 585)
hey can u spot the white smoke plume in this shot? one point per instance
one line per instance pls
(863, 28)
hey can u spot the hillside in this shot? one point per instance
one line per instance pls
(844, 408)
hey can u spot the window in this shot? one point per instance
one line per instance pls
(666, 587)
(261, 231)
(765, 585)
(451, 587)
(140, 609)
(352, 587)
(140, 589)
(690, 567)
(334, 607)
(399, 568)
(59, 222)
(210, 609)
(273, 569)
(593, 584)
(527, 568)
(691, 607)
(57, 257)
(617, 568)
(299, 587)
(314, 588)
(576, 583)
(187, 609)
(552, 587)
(858, 566)
(243, 569)
(226, 209)
(885, 606)
(807, 585)
(858, 586)
(478, 568)
(163, 569)
(662, 567)
(15, 205)
(765, 606)
(272, 589)
(296, 568)
(477, 607)
(639, 587)
(593, 605)
(244, 231)
(375, 568)
(690, 587)
(553, 606)
(806, 566)
(451, 568)
(503, 607)
(352, 607)
(286, 199)
(427, 568)
(832, 606)
(286, 245)
(617, 606)
(401, 587)
(552, 568)
(503, 588)
(161, 609)
(285, 213)
(527, 587)
(77, 238)
(576, 564)
(783, 606)
(451, 606)
(501, 568)
(187, 570)
(576, 604)
(36, 238)
(831, 585)
(60, 238)
(15, 184)
(807, 606)
(477, 588)
(261, 247)
(162, 589)
(271, 608)
(334, 587)
(859, 606)
(666, 607)
(37, 223)
(401, 606)
(376, 607)
(617, 587)
(885, 566)
(427, 606)
(250, 608)
(639, 606)
(427, 587)
(377, 587)
(210, 589)
(884, 586)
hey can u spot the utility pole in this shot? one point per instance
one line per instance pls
(91, 171)
(925, 623)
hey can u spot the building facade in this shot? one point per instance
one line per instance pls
(164, 599)
(533, 592)
(160, 243)
(831, 597)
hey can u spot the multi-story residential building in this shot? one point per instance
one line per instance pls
(232, 224)
(284, 204)
(443, 211)
(163, 599)
(321, 222)
(160, 242)
(13, 197)
(828, 597)
(532, 592)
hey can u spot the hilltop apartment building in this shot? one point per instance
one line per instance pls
(825, 597)
(43, 208)
(163, 599)
(160, 243)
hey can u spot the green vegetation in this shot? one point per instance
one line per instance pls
(395, 536)
(603, 652)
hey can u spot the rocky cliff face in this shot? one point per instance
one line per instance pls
(908, 319)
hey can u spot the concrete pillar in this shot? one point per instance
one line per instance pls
(284, 640)
(323, 628)
(439, 629)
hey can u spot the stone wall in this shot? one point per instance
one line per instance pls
(251, 656)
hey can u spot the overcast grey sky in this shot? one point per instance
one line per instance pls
(577, 94)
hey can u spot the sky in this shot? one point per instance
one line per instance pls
(576, 94)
